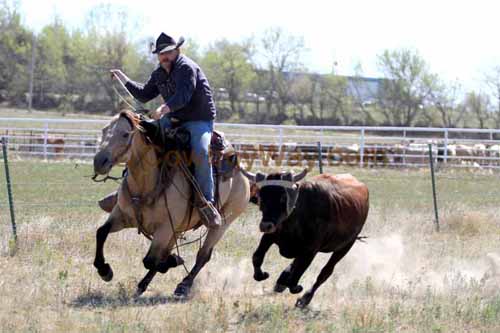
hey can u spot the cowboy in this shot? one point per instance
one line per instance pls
(188, 102)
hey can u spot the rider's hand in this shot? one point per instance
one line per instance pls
(164, 109)
(158, 113)
(117, 73)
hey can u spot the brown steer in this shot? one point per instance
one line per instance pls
(324, 214)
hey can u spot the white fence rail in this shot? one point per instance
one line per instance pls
(281, 145)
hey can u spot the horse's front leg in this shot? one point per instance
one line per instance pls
(202, 257)
(114, 223)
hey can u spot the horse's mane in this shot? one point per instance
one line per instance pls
(132, 117)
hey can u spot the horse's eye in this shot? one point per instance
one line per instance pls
(125, 135)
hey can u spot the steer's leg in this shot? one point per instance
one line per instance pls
(114, 223)
(324, 275)
(202, 257)
(291, 276)
(258, 257)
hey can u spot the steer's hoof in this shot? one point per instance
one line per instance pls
(304, 301)
(301, 304)
(106, 273)
(141, 288)
(181, 293)
(296, 289)
(139, 292)
(279, 288)
(261, 276)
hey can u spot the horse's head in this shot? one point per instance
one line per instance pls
(115, 142)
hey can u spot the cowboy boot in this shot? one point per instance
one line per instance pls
(108, 202)
(210, 216)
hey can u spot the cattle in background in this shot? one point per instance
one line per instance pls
(325, 214)
(493, 151)
(54, 146)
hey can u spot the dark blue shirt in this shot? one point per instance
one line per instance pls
(185, 90)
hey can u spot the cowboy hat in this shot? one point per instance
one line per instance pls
(165, 43)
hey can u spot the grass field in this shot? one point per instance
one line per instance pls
(406, 277)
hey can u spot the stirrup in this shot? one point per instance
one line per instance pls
(210, 215)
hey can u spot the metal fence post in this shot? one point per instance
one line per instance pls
(445, 146)
(320, 158)
(433, 188)
(45, 139)
(9, 189)
(362, 147)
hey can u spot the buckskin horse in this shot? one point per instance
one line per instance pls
(156, 200)
(323, 214)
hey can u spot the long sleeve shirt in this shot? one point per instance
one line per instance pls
(185, 90)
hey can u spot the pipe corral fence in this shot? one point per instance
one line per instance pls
(281, 145)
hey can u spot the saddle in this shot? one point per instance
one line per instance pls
(222, 154)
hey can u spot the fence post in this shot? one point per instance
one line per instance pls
(9, 190)
(45, 139)
(433, 187)
(362, 147)
(445, 146)
(320, 158)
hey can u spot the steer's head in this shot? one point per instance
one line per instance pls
(276, 195)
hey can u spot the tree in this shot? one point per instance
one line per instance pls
(282, 53)
(15, 54)
(492, 81)
(52, 61)
(228, 66)
(478, 104)
(407, 87)
(446, 100)
(108, 31)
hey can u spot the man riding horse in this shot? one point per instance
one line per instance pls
(189, 104)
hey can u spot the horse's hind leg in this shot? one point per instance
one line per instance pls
(202, 257)
(324, 275)
(114, 223)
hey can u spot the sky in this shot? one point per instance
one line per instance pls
(459, 39)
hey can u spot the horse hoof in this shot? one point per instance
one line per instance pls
(181, 292)
(279, 288)
(296, 289)
(106, 273)
(261, 277)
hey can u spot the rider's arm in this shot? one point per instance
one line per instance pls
(143, 92)
(185, 83)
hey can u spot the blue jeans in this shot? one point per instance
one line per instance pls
(201, 134)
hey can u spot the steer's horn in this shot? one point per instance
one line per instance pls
(300, 176)
(252, 177)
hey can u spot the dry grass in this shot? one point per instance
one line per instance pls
(406, 277)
